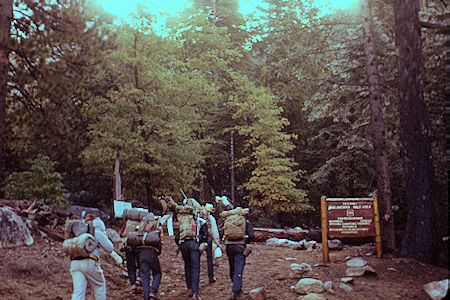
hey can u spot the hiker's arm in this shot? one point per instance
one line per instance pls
(249, 232)
(214, 229)
(104, 241)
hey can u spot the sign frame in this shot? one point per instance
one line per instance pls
(325, 224)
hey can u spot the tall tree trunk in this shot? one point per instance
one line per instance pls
(5, 34)
(232, 167)
(421, 238)
(377, 126)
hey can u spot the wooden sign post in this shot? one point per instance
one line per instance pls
(349, 217)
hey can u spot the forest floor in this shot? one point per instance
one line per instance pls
(41, 271)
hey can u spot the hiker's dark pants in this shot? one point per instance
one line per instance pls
(191, 257)
(132, 263)
(149, 262)
(209, 259)
(237, 262)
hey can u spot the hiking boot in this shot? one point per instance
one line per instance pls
(212, 280)
(153, 295)
(196, 297)
(189, 292)
(234, 296)
(133, 289)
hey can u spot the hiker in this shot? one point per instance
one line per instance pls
(213, 238)
(86, 270)
(132, 260)
(237, 233)
(148, 258)
(193, 232)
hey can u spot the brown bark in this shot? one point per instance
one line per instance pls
(5, 32)
(421, 239)
(377, 126)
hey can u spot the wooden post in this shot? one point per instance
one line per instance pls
(324, 222)
(376, 217)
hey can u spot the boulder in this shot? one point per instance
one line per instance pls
(436, 290)
(312, 296)
(356, 262)
(309, 285)
(335, 244)
(77, 210)
(299, 270)
(13, 231)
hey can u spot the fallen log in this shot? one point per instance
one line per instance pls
(263, 234)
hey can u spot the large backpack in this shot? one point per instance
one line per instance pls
(234, 224)
(148, 235)
(187, 220)
(77, 227)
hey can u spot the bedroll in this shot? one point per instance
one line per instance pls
(80, 246)
(134, 214)
(152, 239)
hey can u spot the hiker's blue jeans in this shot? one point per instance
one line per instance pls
(132, 262)
(237, 262)
(209, 258)
(191, 257)
(149, 262)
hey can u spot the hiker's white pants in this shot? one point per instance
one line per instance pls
(87, 272)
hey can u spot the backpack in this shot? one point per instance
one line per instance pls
(77, 227)
(234, 224)
(130, 226)
(187, 220)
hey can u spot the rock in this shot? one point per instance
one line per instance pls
(347, 279)
(309, 285)
(335, 244)
(356, 262)
(345, 287)
(392, 269)
(77, 210)
(312, 296)
(436, 290)
(290, 258)
(360, 271)
(328, 286)
(13, 230)
(258, 294)
(299, 270)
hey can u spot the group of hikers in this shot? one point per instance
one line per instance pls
(202, 228)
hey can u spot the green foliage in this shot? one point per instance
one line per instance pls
(40, 183)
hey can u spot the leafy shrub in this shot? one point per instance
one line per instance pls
(40, 183)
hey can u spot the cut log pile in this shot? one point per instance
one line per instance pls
(263, 234)
(41, 220)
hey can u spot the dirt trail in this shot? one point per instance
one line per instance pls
(41, 271)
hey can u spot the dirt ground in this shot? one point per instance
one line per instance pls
(41, 271)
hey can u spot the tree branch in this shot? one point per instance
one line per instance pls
(439, 27)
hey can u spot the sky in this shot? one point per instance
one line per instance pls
(122, 8)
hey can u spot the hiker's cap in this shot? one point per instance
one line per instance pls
(150, 217)
(209, 207)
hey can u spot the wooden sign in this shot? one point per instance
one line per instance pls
(347, 218)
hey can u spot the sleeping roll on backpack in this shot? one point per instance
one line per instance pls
(148, 235)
